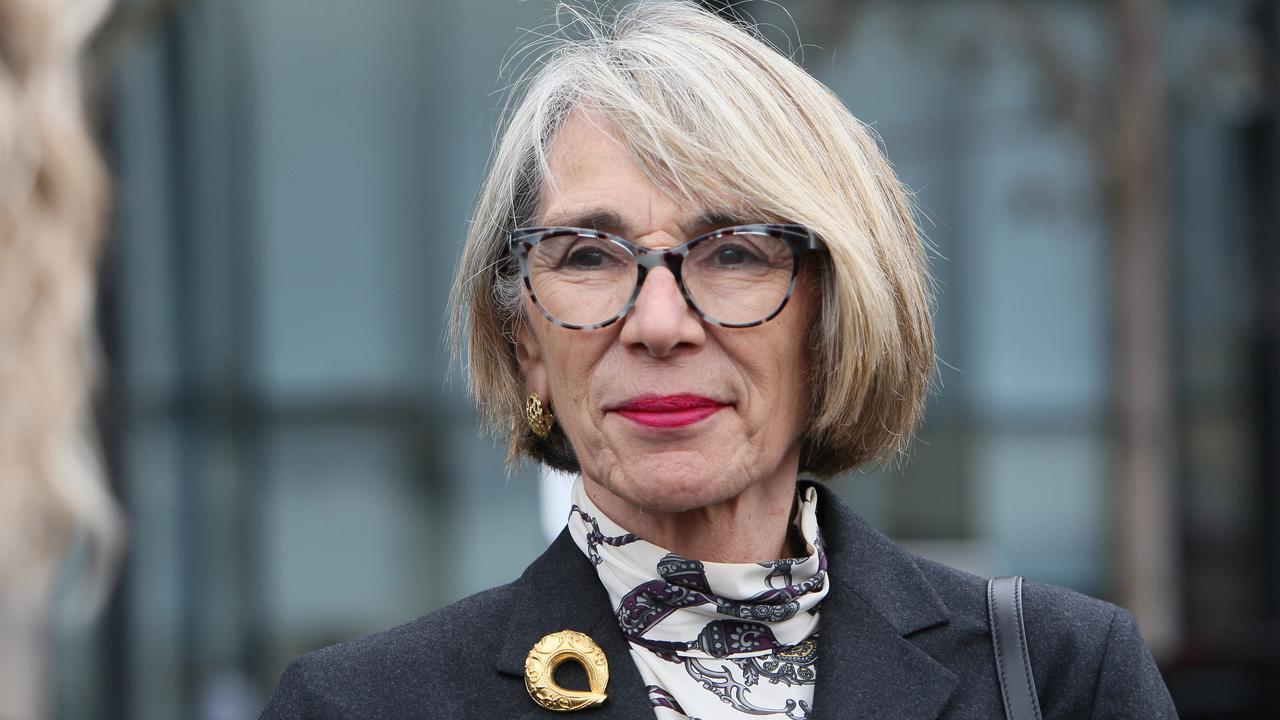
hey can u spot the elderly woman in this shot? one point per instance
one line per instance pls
(691, 278)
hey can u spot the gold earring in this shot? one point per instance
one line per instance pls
(538, 417)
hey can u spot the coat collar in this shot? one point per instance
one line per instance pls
(868, 667)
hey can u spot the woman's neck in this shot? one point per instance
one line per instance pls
(753, 526)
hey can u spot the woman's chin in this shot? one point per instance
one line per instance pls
(667, 485)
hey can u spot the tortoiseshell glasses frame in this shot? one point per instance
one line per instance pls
(798, 238)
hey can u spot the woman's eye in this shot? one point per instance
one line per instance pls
(586, 258)
(732, 255)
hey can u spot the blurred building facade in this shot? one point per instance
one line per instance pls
(300, 466)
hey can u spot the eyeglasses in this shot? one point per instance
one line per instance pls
(734, 277)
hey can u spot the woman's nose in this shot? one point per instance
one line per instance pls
(661, 320)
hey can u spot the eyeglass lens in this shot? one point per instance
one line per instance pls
(737, 278)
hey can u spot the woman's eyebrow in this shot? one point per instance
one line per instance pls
(715, 219)
(594, 219)
(607, 220)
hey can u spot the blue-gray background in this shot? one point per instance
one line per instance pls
(300, 465)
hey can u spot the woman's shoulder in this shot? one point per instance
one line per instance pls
(1056, 612)
(465, 660)
(1086, 654)
(477, 619)
(399, 671)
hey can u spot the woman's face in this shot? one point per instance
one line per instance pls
(622, 393)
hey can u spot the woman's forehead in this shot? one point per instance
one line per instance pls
(594, 181)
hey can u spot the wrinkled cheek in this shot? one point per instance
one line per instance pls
(594, 452)
(581, 427)
(793, 403)
(801, 402)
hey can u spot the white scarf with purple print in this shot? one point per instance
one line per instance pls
(712, 640)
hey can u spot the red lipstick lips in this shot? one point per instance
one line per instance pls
(668, 411)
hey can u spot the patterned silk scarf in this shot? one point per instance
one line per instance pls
(712, 640)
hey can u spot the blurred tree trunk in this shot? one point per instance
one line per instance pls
(1121, 119)
(1147, 567)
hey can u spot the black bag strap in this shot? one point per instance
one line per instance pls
(1009, 638)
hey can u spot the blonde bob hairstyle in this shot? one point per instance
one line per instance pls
(718, 120)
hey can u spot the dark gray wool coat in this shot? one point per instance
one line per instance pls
(900, 637)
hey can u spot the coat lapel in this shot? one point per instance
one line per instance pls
(868, 667)
(561, 591)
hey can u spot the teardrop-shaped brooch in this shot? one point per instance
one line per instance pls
(552, 651)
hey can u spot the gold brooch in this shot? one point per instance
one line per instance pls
(548, 654)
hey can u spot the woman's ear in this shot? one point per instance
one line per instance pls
(532, 366)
